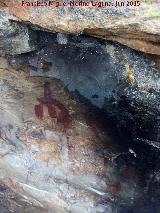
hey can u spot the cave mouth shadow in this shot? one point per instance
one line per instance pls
(132, 126)
(146, 162)
(121, 121)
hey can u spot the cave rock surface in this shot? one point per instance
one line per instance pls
(135, 26)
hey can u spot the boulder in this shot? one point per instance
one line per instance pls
(136, 26)
(52, 153)
(57, 156)
(79, 125)
(15, 38)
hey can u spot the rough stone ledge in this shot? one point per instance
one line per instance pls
(138, 27)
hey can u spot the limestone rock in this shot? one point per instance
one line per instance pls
(12, 202)
(15, 38)
(55, 167)
(116, 78)
(65, 107)
(47, 167)
(135, 26)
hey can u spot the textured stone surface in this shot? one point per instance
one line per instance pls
(62, 168)
(77, 113)
(12, 202)
(136, 27)
(15, 38)
(123, 82)
(48, 166)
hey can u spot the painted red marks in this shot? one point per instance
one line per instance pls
(39, 111)
(70, 150)
(55, 108)
(91, 124)
(115, 186)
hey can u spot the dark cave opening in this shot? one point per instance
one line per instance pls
(111, 80)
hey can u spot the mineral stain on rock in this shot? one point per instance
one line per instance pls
(114, 186)
(39, 111)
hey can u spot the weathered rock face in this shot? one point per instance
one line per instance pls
(77, 112)
(135, 26)
(12, 202)
(15, 38)
(51, 152)
(123, 82)
(56, 156)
